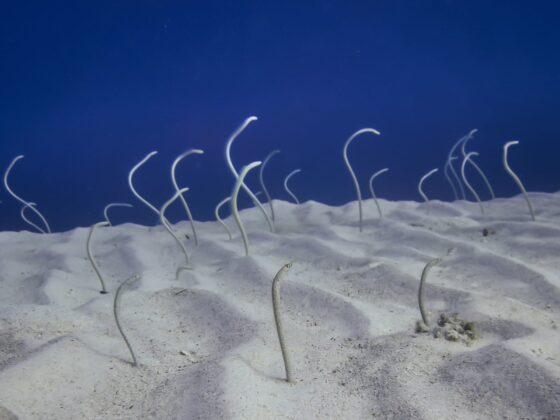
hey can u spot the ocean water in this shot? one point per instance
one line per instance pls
(88, 90)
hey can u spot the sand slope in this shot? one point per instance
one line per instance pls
(207, 345)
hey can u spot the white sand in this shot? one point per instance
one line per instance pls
(349, 305)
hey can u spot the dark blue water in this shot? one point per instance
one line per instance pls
(87, 90)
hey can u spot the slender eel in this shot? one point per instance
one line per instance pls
(176, 186)
(167, 226)
(90, 254)
(261, 170)
(111, 205)
(244, 171)
(446, 173)
(427, 268)
(469, 186)
(477, 168)
(278, 320)
(450, 164)
(516, 178)
(352, 174)
(219, 219)
(115, 312)
(456, 177)
(26, 220)
(131, 185)
(18, 198)
(372, 191)
(254, 199)
(420, 190)
(295, 171)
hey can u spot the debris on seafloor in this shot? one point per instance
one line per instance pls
(488, 231)
(451, 328)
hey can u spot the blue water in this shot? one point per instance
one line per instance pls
(88, 90)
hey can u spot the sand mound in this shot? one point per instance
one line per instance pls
(206, 341)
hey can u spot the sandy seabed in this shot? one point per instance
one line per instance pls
(206, 342)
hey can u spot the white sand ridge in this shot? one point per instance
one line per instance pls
(206, 342)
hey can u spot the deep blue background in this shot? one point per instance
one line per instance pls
(89, 88)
